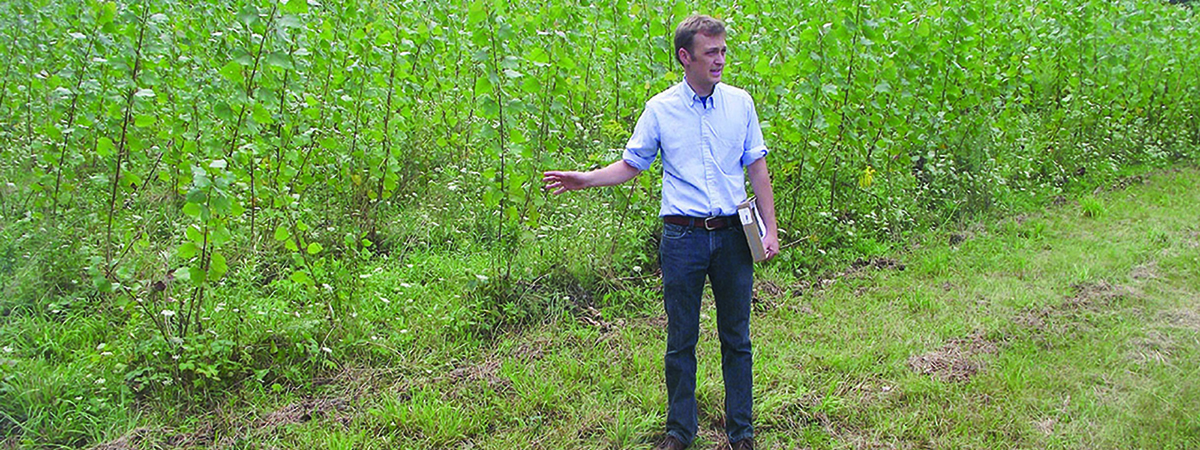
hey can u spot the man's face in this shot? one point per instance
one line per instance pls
(705, 61)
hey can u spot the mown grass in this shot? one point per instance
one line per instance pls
(1060, 329)
(1074, 327)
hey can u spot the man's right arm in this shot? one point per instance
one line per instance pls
(611, 175)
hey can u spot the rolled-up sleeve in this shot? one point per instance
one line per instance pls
(642, 147)
(754, 148)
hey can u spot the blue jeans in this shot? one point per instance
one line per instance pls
(688, 255)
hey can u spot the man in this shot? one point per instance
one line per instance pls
(709, 137)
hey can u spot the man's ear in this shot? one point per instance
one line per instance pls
(684, 56)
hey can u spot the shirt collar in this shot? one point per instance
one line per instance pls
(690, 97)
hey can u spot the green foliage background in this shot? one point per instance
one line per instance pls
(170, 166)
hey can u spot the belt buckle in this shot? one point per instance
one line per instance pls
(708, 227)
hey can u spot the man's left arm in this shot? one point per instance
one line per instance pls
(760, 181)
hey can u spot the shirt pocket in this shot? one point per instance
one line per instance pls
(729, 145)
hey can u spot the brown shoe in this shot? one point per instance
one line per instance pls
(670, 443)
(744, 444)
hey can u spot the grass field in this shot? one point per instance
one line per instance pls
(299, 224)
(1075, 327)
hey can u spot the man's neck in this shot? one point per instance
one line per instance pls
(702, 90)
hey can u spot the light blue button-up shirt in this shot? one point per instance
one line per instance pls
(706, 145)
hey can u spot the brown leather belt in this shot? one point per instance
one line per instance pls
(707, 223)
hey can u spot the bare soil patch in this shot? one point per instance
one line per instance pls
(1145, 271)
(1098, 293)
(306, 410)
(1125, 183)
(659, 322)
(530, 351)
(1188, 318)
(956, 361)
(1085, 296)
(130, 441)
(871, 390)
(593, 318)
(477, 374)
(859, 268)
(878, 264)
(202, 437)
(1155, 347)
(766, 296)
(1046, 427)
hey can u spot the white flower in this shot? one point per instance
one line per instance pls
(637, 268)
(168, 313)
(100, 381)
(8, 349)
(327, 350)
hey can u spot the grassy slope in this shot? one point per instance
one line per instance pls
(1078, 327)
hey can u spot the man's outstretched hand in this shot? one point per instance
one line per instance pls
(561, 182)
(611, 175)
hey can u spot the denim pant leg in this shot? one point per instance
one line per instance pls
(732, 276)
(684, 256)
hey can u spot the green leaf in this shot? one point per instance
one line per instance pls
(300, 277)
(531, 85)
(196, 275)
(281, 60)
(538, 57)
(223, 111)
(295, 6)
(248, 16)
(483, 86)
(763, 65)
(290, 244)
(108, 12)
(219, 235)
(290, 21)
(144, 121)
(194, 234)
(187, 251)
(476, 13)
(282, 233)
(102, 284)
(192, 209)
(217, 266)
(385, 38)
(314, 248)
(232, 71)
(104, 147)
